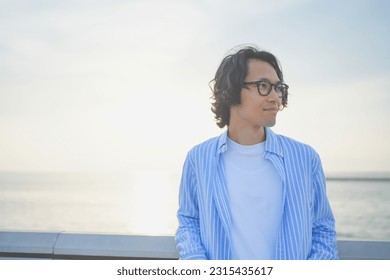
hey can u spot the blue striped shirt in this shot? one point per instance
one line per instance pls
(307, 230)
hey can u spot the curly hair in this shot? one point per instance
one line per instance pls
(229, 78)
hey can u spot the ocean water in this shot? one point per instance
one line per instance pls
(145, 202)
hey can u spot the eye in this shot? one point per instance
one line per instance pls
(263, 85)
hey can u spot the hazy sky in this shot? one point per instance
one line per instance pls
(111, 85)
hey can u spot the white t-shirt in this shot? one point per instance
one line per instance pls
(255, 196)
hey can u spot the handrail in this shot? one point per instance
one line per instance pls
(67, 245)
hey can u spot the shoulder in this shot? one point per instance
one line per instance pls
(291, 146)
(207, 147)
(288, 141)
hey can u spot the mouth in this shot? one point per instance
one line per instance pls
(272, 109)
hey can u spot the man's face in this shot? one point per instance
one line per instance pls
(255, 110)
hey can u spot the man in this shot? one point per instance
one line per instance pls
(250, 193)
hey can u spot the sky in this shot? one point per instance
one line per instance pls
(112, 85)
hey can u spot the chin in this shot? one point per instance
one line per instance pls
(270, 124)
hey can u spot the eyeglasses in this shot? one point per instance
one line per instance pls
(264, 87)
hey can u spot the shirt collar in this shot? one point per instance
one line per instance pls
(222, 143)
(272, 144)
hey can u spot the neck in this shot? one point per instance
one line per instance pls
(247, 135)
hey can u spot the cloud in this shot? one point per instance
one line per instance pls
(344, 122)
(94, 84)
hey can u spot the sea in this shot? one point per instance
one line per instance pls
(145, 202)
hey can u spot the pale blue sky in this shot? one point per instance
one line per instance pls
(115, 85)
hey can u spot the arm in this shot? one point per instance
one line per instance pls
(324, 243)
(188, 241)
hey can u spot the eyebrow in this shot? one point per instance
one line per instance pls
(263, 79)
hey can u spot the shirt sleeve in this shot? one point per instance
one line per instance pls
(324, 243)
(188, 241)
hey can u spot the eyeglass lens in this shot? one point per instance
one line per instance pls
(265, 87)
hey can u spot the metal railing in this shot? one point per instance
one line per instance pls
(65, 245)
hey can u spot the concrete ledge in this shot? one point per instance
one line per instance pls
(65, 245)
(364, 250)
(116, 246)
(28, 242)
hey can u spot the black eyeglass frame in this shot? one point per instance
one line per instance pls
(282, 90)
